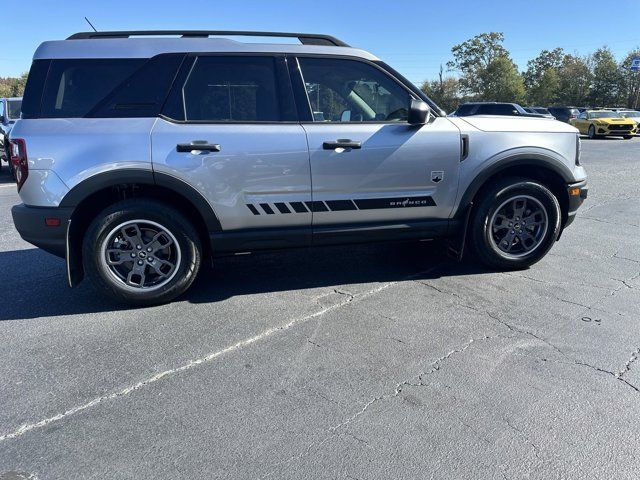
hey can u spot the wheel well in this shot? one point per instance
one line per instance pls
(545, 176)
(92, 205)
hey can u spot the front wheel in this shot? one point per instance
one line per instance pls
(628, 137)
(141, 252)
(515, 224)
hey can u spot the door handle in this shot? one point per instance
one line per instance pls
(341, 143)
(198, 145)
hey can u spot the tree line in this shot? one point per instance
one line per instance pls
(12, 87)
(486, 72)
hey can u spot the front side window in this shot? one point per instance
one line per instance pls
(232, 89)
(352, 91)
(582, 116)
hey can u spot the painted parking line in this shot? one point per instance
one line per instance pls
(349, 298)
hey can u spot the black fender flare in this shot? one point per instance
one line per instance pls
(98, 182)
(520, 159)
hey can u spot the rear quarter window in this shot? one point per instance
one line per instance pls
(75, 87)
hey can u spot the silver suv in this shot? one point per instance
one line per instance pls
(9, 113)
(136, 158)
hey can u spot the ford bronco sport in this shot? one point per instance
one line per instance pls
(139, 154)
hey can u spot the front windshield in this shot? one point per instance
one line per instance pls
(13, 109)
(630, 113)
(604, 114)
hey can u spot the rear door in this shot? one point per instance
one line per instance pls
(229, 129)
(368, 164)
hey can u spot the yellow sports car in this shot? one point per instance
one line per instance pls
(600, 123)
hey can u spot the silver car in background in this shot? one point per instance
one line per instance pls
(140, 154)
(10, 109)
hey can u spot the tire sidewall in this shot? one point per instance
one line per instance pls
(489, 253)
(163, 215)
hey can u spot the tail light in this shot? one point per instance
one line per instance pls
(19, 162)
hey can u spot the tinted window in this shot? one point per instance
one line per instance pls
(13, 109)
(75, 87)
(497, 109)
(32, 98)
(464, 109)
(352, 91)
(226, 89)
(144, 92)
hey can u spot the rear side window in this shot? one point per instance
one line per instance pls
(75, 87)
(232, 89)
(32, 98)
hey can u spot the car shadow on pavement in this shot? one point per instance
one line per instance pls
(38, 284)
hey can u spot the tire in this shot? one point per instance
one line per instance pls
(170, 252)
(592, 132)
(628, 137)
(495, 222)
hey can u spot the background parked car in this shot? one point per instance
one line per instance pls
(597, 123)
(491, 108)
(540, 110)
(633, 115)
(9, 112)
(564, 114)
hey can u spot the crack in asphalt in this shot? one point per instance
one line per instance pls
(333, 431)
(535, 448)
(615, 375)
(627, 365)
(207, 358)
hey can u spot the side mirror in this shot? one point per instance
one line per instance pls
(2, 119)
(418, 112)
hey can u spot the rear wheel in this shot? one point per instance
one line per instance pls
(628, 137)
(141, 252)
(592, 132)
(515, 224)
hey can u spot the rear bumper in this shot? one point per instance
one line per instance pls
(31, 225)
(577, 194)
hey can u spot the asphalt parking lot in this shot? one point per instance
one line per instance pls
(384, 361)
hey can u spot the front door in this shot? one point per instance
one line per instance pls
(368, 165)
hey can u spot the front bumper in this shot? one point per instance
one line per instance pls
(606, 130)
(577, 194)
(31, 223)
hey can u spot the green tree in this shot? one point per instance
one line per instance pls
(607, 78)
(472, 57)
(574, 83)
(541, 79)
(13, 87)
(500, 81)
(445, 91)
(18, 84)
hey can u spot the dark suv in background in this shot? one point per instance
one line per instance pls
(564, 114)
(491, 108)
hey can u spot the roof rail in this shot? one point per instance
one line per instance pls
(304, 38)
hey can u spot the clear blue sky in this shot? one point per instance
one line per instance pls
(413, 36)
